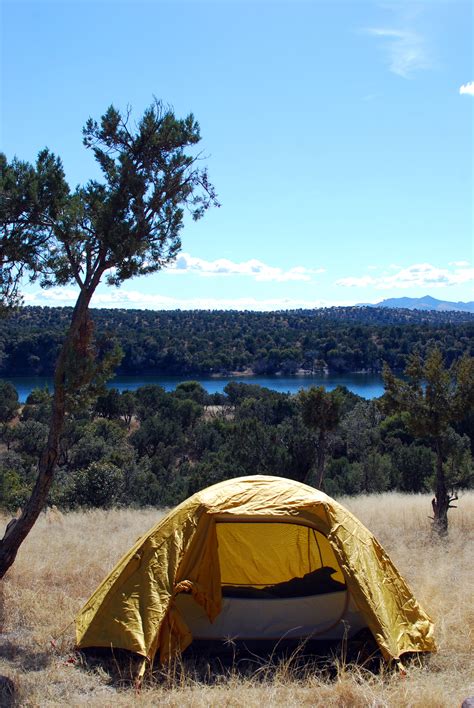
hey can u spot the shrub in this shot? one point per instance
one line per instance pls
(99, 485)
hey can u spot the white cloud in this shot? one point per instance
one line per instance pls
(467, 88)
(185, 263)
(418, 275)
(60, 297)
(132, 299)
(406, 49)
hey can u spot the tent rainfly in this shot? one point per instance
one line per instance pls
(253, 558)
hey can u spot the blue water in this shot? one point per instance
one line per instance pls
(366, 385)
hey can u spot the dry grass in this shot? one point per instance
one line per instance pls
(66, 556)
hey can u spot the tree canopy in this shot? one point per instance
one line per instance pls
(183, 440)
(126, 225)
(191, 344)
(434, 398)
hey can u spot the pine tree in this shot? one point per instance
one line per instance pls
(126, 225)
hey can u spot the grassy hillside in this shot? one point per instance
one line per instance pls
(66, 556)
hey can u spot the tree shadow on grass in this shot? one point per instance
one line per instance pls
(25, 658)
(7, 692)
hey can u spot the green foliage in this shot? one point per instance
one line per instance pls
(89, 364)
(458, 466)
(394, 428)
(13, 481)
(191, 343)
(343, 477)
(13, 491)
(100, 440)
(376, 472)
(361, 429)
(174, 449)
(270, 408)
(129, 222)
(210, 436)
(98, 485)
(257, 448)
(151, 399)
(214, 468)
(187, 412)
(109, 404)
(413, 467)
(37, 406)
(193, 391)
(434, 399)
(8, 402)
(320, 409)
(128, 406)
(155, 434)
(371, 474)
(30, 438)
(144, 488)
(320, 412)
(31, 199)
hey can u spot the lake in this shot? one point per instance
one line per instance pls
(366, 385)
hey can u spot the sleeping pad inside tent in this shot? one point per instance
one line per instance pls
(254, 558)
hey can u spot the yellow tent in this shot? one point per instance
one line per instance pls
(250, 537)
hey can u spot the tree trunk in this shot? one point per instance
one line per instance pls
(321, 460)
(441, 500)
(18, 529)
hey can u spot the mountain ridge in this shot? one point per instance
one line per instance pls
(427, 302)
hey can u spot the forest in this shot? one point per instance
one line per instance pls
(193, 343)
(152, 447)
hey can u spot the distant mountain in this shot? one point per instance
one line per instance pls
(426, 303)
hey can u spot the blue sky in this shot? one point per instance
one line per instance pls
(338, 136)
